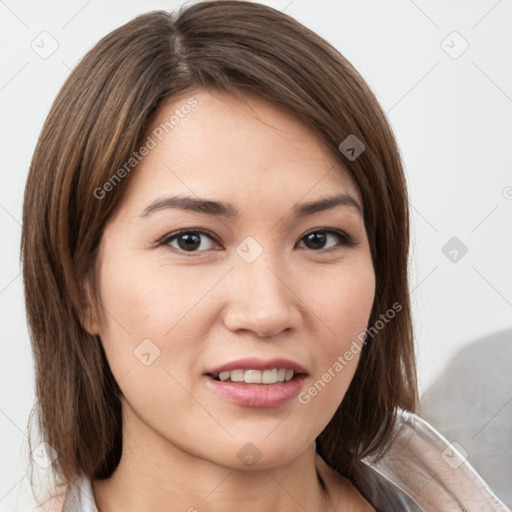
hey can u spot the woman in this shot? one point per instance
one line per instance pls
(215, 250)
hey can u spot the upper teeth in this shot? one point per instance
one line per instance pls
(258, 376)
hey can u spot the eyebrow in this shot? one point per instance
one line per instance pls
(227, 210)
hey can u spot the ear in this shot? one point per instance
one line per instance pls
(88, 307)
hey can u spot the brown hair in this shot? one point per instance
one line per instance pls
(99, 119)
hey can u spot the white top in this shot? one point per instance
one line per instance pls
(80, 498)
(421, 472)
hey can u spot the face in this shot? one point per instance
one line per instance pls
(220, 273)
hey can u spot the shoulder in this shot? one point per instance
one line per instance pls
(77, 497)
(35, 494)
(53, 504)
(420, 469)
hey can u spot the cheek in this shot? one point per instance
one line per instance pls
(345, 302)
(344, 306)
(147, 309)
(350, 308)
(151, 334)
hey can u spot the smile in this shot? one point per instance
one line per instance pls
(256, 376)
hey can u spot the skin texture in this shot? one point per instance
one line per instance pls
(206, 307)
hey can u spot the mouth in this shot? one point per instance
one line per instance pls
(257, 383)
(274, 376)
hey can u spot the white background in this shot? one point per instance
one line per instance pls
(452, 118)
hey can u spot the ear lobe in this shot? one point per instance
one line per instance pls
(88, 310)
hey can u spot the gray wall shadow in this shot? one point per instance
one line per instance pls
(471, 403)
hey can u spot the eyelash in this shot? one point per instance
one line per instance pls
(346, 241)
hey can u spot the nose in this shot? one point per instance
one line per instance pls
(261, 300)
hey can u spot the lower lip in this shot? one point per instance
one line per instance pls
(257, 395)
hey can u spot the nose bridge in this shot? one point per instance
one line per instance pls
(260, 299)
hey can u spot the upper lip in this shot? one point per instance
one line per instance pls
(258, 364)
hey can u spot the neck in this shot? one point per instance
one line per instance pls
(154, 475)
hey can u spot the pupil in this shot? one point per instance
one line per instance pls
(317, 239)
(191, 241)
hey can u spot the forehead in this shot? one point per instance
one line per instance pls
(245, 149)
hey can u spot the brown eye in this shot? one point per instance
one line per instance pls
(317, 240)
(189, 241)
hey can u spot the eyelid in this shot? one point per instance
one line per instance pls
(346, 240)
(170, 236)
